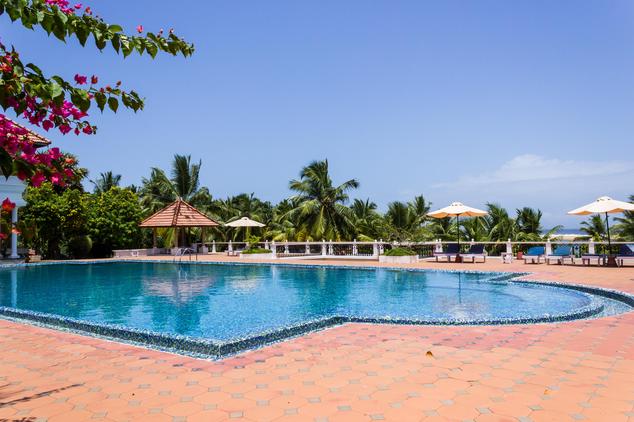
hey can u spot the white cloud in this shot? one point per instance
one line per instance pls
(531, 167)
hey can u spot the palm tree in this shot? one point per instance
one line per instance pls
(160, 190)
(106, 181)
(367, 221)
(595, 228)
(498, 224)
(625, 228)
(321, 212)
(529, 226)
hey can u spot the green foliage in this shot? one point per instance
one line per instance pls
(160, 190)
(113, 221)
(52, 219)
(399, 251)
(625, 227)
(320, 211)
(106, 181)
(54, 21)
(255, 251)
(57, 224)
(79, 247)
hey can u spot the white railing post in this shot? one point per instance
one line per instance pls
(230, 247)
(591, 247)
(355, 250)
(381, 247)
(549, 247)
(266, 244)
(509, 246)
(472, 242)
(323, 247)
(213, 246)
(331, 249)
(375, 249)
(438, 246)
(273, 249)
(307, 248)
(286, 250)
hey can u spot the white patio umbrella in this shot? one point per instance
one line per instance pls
(456, 209)
(604, 205)
(245, 222)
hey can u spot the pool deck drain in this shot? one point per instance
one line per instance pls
(580, 370)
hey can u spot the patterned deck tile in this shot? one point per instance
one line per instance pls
(574, 371)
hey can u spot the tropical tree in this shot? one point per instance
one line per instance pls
(320, 210)
(498, 224)
(595, 227)
(368, 223)
(105, 182)
(625, 226)
(159, 190)
(113, 221)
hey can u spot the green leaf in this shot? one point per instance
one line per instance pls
(152, 49)
(115, 28)
(113, 103)
(100, 98)
(6, 163)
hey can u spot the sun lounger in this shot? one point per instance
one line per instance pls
(560, 254)
(475, 251)
(626, 254)
(452, 250)
(534, 254)
(586, 259)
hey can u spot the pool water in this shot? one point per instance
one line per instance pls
(225, 302)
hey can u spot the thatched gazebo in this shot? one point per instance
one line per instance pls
(177, 215)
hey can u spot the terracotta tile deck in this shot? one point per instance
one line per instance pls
(582, 370)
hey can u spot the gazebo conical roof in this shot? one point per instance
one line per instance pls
(178, 214)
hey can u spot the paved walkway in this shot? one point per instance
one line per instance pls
(582, 370)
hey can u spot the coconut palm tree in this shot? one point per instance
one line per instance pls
(625, 226)
(106, 181)
(498, 224)
(320, 210)
(160, 190)
(595, 227)
(367, 221)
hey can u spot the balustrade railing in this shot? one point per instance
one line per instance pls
(372, 250)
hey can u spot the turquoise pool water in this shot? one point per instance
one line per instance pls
(227, 302)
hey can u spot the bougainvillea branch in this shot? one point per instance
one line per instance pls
(53, 102)
(59, 18)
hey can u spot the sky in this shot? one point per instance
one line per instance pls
(526, 103)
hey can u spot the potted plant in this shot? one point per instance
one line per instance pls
(399, 255)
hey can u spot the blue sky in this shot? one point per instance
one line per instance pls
(520, 103)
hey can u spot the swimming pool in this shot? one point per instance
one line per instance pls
(201, 307)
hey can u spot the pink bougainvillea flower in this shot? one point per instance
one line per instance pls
(16, 230)
(81, 80)
(94, 79)
(87, 130)
(3, 236)
(56, 179)
(139, 29)
(47, 124)
(37, 179)
(7, 205)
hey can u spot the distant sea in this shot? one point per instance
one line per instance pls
(569, 231)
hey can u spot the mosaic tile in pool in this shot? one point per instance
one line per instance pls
(230, 302)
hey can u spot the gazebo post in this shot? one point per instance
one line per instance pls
(154, 241)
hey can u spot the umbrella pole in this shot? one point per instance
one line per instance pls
(458, 257)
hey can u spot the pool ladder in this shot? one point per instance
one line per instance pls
(185, 251)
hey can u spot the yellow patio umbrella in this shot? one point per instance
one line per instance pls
(604, 205)
(456, 209)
